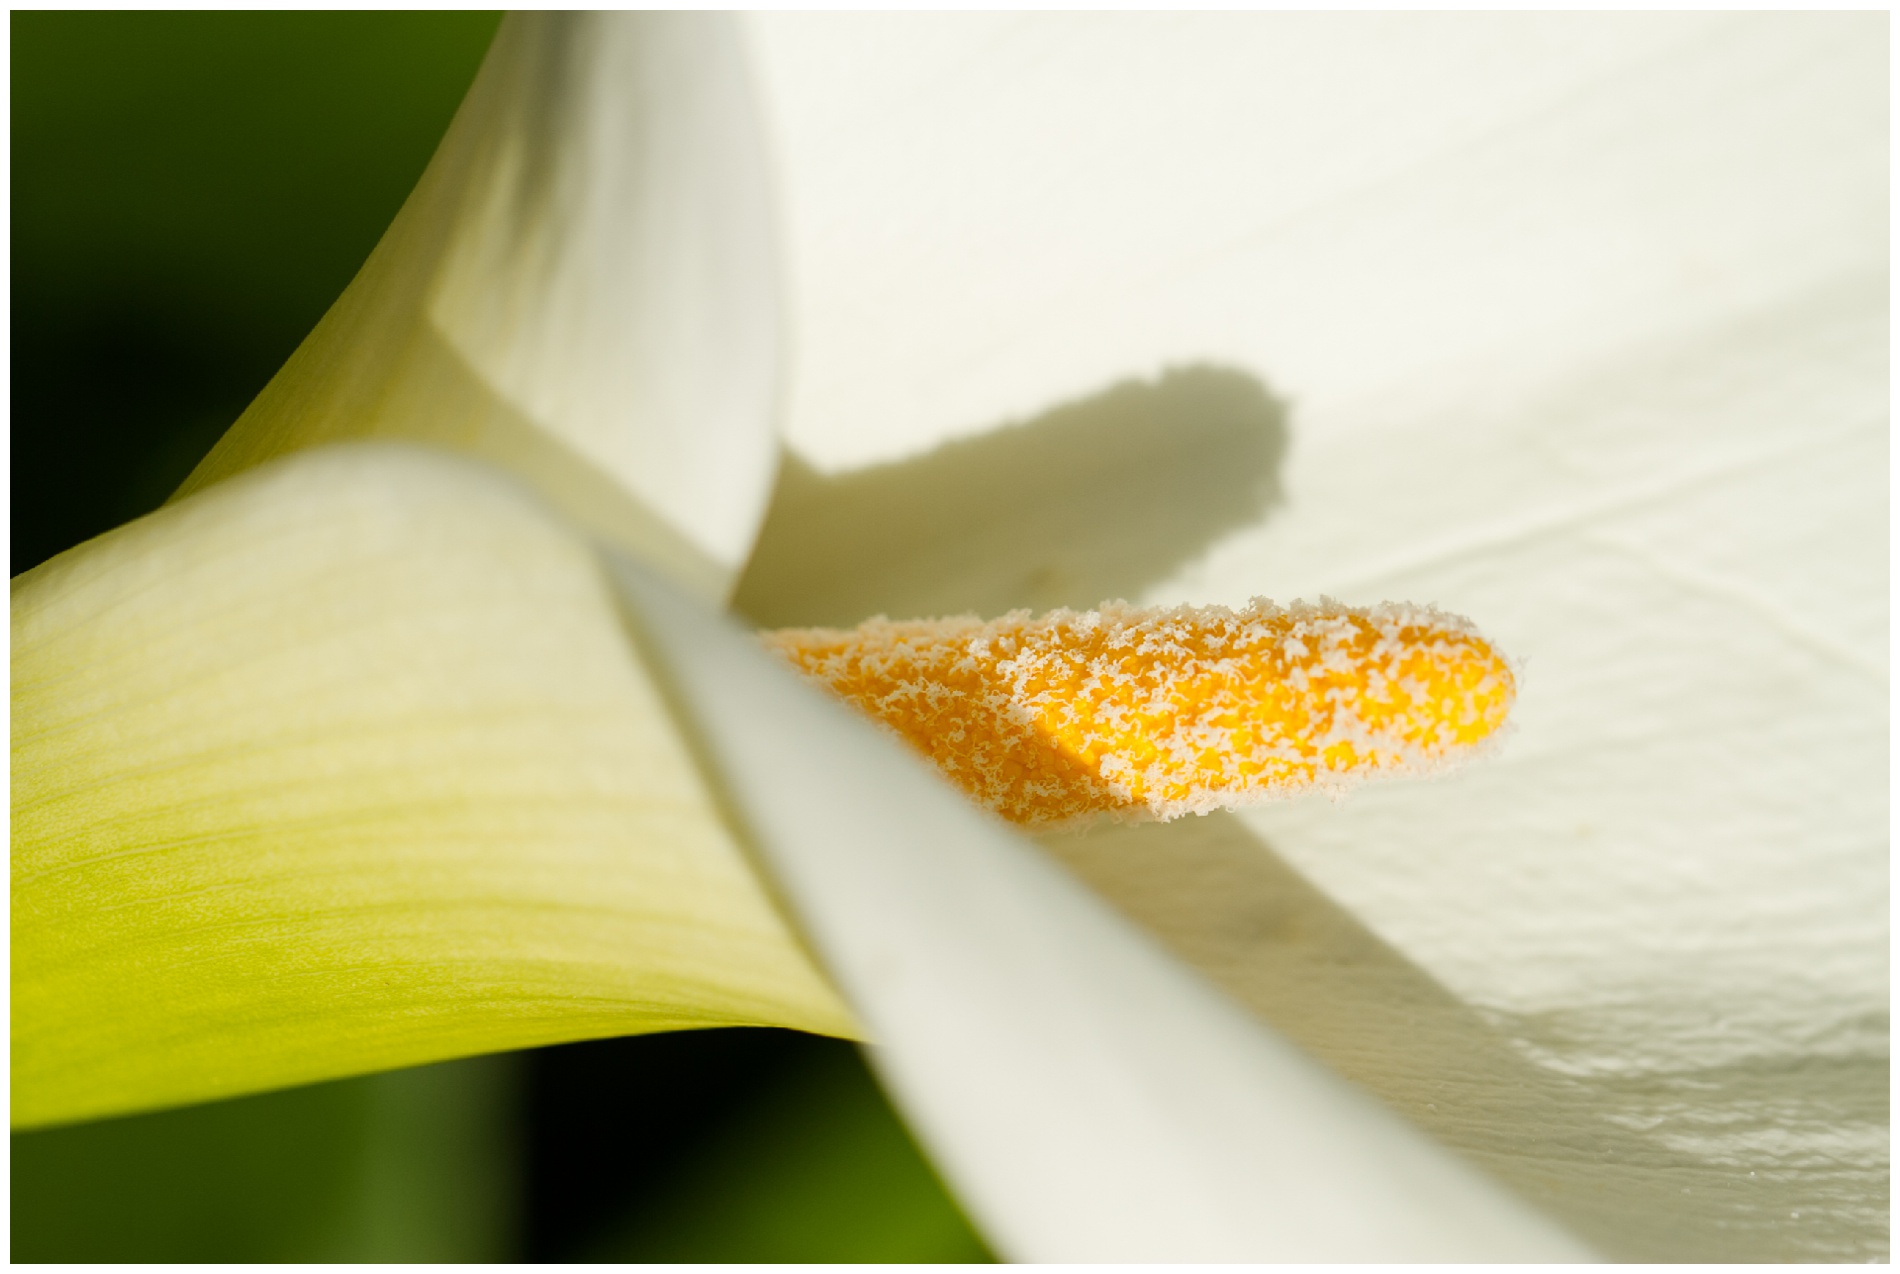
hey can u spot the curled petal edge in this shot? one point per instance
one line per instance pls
(344, 765)
(583, 289)
(1086, 1095)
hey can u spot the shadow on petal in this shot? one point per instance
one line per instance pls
(1618, 1157)
(1094, 499)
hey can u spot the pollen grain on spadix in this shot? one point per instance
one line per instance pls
(1156, 713)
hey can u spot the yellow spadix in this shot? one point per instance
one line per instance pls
(1159, 713)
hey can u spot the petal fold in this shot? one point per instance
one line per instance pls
(348, 765)
(1088, 1098)
(583, 288)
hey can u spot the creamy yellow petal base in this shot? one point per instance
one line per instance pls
(347, 764)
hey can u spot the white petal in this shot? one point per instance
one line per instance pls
(1089, 1098)
(1341, 204)
(1584, 324)
(583, 287)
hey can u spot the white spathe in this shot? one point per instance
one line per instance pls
(1348, 205)
(616, 268)
(1583, 322)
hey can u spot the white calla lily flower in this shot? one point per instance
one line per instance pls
(374, 756)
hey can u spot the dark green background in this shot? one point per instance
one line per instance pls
(190, 192)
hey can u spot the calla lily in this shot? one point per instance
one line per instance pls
(369, 756)
(366, 755)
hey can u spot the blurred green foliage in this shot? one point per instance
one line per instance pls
(190, 193)
(815, 1167)
(413, 1166)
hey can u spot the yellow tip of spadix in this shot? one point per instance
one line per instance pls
(1159, 713)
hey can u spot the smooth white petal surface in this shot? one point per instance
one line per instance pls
(1089, 1098)
(348, 764)
(1583, 323)
(1351, 206)
(583, 288)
